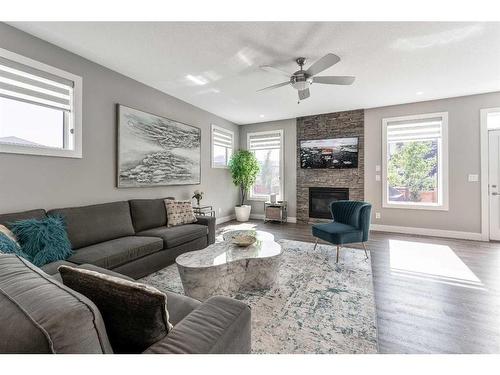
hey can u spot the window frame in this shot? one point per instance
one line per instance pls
(281, 196)
(212, 145)
(443, 176)
(72, 119)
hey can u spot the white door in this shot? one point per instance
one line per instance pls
(494, 183)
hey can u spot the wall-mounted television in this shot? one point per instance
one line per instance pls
(333, 153)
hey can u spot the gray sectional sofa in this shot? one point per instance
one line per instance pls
(41, 315)
(128, 237)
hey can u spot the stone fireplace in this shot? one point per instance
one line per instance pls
(339, 183)
(320, 199)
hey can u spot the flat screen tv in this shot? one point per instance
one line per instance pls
(333, 153)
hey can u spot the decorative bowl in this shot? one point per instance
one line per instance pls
(244, 240)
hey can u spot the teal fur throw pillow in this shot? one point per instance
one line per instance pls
(43, 240)
(7, 246)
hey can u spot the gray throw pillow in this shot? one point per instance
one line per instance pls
(135, 314)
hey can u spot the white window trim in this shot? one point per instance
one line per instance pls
(442, 158)
(75, 117)
(264, 198)
(220, 128)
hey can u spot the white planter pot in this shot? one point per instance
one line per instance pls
(243, 212)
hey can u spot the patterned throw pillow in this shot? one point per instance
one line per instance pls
(179, 212)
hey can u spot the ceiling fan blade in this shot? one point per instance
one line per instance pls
(334, 80)
(324, 63)
(275, 86)
(304, 94)
(271, 69)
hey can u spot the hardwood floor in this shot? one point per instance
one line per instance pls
(432, 295)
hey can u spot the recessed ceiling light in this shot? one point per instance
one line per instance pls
(420, 92)
(197, 80)
(261, 116)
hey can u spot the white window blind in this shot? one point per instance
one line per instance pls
(222, 146)
(23, 83)
(222, 138)
(264, 141)
(401, 131)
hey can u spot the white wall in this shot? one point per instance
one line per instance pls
(289, 127)
(464, 213)
(28, 182)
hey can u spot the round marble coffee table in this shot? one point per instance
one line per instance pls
(224, 268)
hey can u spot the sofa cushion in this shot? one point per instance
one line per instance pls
(176, 236)
(40, 315)
(7, 219)
(89, 225)
(148, 213)
(135, 314)
(114, 253)
(220, 325)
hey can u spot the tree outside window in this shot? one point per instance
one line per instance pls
(412, 171)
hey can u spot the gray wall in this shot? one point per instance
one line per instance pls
(36, 181)
(464, 158)
(290, 138)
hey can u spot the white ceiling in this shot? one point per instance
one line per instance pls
(215, 65)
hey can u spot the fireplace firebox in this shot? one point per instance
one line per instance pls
(320, 199)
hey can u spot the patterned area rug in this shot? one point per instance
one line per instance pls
(317, 306)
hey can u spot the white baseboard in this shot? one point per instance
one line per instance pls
(224, 219)
(427, 232)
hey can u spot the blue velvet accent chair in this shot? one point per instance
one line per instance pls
(351, 224)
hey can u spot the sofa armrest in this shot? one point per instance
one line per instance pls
(209, 221)
(221, 325)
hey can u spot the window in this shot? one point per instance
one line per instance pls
(493, 120)
(40, 108)
(222, 146)
(267, 148)
(415, 161)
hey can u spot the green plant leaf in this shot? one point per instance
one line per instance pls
(244, 168)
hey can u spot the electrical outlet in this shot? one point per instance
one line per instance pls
(377, 177)
(473, 178)
(377, 168)
(377, 215)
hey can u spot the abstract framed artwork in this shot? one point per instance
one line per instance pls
(156, 151)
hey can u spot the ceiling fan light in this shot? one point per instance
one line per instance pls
(301, 84)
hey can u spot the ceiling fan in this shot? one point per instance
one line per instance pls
(302, 79)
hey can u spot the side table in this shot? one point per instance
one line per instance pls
(275, 211)
(204, 210)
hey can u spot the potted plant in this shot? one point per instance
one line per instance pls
(244, 168)
(198, 195)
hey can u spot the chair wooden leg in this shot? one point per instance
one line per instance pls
(315, 244)
(366, 252)
(338, 251)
